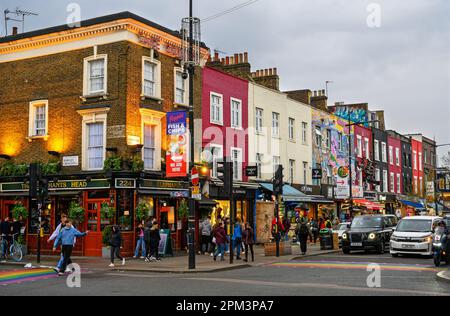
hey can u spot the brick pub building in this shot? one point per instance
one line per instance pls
(75, 98)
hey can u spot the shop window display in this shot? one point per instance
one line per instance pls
(125, 209)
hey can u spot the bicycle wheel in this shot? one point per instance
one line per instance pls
(16, 252)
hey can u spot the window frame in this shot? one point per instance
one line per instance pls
(151, 117)
(240, 162)
(157, 78)
(32, 118)
(291, 170)
(384, 152)
(239, 112)
(359, 149)
(276, 119)
(391, 155)
(291, 129)
(304, 133)
(259, 120)
(376, 150)
(87, 75)
(177, 70)
(397, 156)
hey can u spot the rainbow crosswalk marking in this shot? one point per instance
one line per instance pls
(28, 275)
(353, 265)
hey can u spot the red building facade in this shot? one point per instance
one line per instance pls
(417, 167)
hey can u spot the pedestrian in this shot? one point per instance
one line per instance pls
(116, 243)
(140, 243)
(248, 237)
(226, 223)
(5, 231)
(147, 228)
(314, 230)
(237, 238)
(321, 223)
(205, 229)
(287, 227)
(220, 236)
(328, 223)
(55, 234)
(302, 233)
(66, 238)
(154, 241)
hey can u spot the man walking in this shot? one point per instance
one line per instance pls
(302, 232)
(205, 228)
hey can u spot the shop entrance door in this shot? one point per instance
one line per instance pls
(93, 243)
(6, 209)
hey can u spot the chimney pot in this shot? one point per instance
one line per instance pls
(15, 30)
(232, 60)
(227, 60)
(216, 56)
(222, 61)
(245, 57)
(275, 71)
(241, 58)
(236, 58)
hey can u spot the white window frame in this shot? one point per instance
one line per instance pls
(415, 160)
(305, 133)
(328, 138)
(275, 124)
(305, 172)
(153, 118)
(291, 129)
(415, 185)
(383, 152)
(240, 161)
(420, 185)
(92, 116)
(239, 113)
(385, 181)
(259, 161)
(397, 156)
(376, 150)
(318, 136)
(366, 147)
(186, 88)
(32, 132)
(339, 140)
(259, 120)
(378, 178)
(398, 183)
(86, 75)
(157, 77)
(219, 156)
(212, 119)
(291, 170)
(392, 182)
(420, 162)
(359, 146)
(391, 155)
(278, 158)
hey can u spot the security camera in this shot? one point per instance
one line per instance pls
(185, 75)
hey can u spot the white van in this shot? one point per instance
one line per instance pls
(414, 235)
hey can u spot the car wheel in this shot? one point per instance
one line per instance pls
(346, 251)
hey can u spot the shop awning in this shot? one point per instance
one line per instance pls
(207, 201)
(412, 204)
(371, 205)
(291, 194)
(440, 206)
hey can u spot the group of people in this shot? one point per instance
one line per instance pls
(215, 239)
(148, 238)
(8, 230)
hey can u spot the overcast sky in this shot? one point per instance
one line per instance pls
(402, 67)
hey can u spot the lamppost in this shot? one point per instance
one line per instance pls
(436, 184)
(350, 156)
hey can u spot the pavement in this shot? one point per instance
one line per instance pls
(177, 264)
(443, 276)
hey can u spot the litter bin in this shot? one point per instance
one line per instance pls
(326, 239)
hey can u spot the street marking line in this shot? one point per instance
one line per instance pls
(19, 276)
(353, 265)
(321, 286)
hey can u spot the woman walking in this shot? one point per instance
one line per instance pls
(116, 244)
(302, 232)
(248, 237)
(66, 237)
(140, 242)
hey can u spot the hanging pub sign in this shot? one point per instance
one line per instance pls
(317, 173)
(177, 145)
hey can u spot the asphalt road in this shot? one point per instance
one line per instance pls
(335, 274)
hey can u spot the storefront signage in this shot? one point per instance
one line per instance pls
(78, 184)
(121, 183)
(163, 185)
(179, 194)
(251, 171)
(430, 190)
(317, 173)
(14, 187)
(310, 189)
(196, 195)
(177, 145)
(70, 161)
(156, 43)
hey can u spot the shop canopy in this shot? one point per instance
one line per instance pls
(291, 194)
(412, 204)
(370, 205)
(440, 206)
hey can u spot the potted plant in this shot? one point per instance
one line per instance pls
(183, 209)
(76, 212)
(107, 212)
(19, 212)
(136, 164)
(106, 240)
(142, 212)
(113, 163)
(50, 168)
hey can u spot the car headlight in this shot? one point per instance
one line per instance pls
(372, 236)
(428, 239)
(344, 236)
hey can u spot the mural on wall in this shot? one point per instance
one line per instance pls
(330, 157)
(355, 115)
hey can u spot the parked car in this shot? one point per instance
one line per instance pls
(340, 229)
(414, 235)
(367, 232)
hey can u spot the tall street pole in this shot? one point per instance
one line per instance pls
(436, 183)
(191, 224)
(350, 165)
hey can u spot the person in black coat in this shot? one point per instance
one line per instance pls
(116, 243)
(154, 242)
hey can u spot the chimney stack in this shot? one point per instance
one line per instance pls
(320, 100)
(15, 30)
(268, 78)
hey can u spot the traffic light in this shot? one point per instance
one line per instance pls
(43, 189)
(35, 174)
(278, 180)
(225, 174)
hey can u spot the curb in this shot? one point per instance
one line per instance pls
(205, 270)
(327, 252)
(441, 276)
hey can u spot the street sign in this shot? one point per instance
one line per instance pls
(194, 177)
(317, 173)
(196, 195)
(251, 171)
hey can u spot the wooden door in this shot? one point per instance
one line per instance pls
(93, 242)
(6, 209)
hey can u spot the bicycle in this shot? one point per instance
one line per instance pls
(15, 250)
(3, 247)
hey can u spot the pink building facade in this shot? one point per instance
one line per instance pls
(417, 167)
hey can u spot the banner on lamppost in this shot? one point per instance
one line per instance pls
(430, 190)
(177, 145)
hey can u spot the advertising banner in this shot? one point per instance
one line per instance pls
(177, 145)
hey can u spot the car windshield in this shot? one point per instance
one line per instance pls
(416, 226)
(367, 222)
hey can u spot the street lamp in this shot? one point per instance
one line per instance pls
(350, 156)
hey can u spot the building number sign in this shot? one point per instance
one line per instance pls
(125, 183)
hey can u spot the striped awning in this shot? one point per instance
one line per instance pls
(370, 205)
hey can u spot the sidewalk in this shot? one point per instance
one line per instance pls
(179, 264)
(443, 276)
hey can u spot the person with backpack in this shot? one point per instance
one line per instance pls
(116, 243)
(314, 230)
(302, 232)
(237, 238)
(147, 229)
